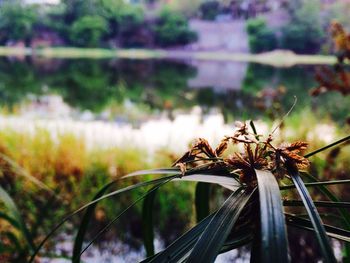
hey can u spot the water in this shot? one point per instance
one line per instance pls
(132, 91)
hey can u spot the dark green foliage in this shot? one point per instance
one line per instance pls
(16, 22)
(202, 199)
(172, 29)
(209, 10)
(88, 30)
(261, 38)
(304, 33)
(273, 242)
(148, 223)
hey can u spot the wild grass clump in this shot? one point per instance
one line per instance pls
(267, 191)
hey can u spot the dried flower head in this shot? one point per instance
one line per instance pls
(260, 155)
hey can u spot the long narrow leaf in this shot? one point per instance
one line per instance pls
(319, 183)
(202, 200)
(327, 146)
(154, 188)
(15, 216)
(79, 239)
(173, 171)
(274, 245)
(126, 189)
(344, 212)
(211, 241)
(332, 231)
(320, 231)
(20, 171)
(147, 223)
(183, 244)
(318, 204)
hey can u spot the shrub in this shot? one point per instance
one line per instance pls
(16, 21)
(261, 38)
(88, 30)
(172, 29)
(304, 33)
(209, 10)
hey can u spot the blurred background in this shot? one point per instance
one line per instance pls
(93, 89)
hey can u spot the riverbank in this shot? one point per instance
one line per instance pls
(279, 58)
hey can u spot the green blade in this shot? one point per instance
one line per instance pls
(125, 189)
(83, 226)
(274, 244)
(211, 241)
(315, 218)
(318, 184)
(15, 216)
(345, 213)
(147, 223)
(202, 200)
(327, 146)
(318, 204)
(306, 224)
(182, 245)
(154, 171)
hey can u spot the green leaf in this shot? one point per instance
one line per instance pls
(318, 204)
(317, 184)
(173, 171)
(327, 146)
(147, 223)
(83, 226)
(345, 213)
(211, 241)
(315, 218)
(15, 217)
(154, 188)
(20, 171)
(273, 245)
(123, 190)
(202, 200)
(306, 224)
(181, 246)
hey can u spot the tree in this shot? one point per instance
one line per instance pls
(261, 38)
(305, 33)
(172, 29)
(16, 21)
(209, 10)
(88, 30)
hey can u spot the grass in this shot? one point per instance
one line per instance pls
(276, 58)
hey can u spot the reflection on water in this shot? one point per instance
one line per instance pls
(107, 88)
(135, 90)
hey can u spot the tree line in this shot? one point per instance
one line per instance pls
(92, 23)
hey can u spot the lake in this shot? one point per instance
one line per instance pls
(137, 97)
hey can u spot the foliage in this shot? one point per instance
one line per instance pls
(88, 30)
(74, 173)
(172, 29)
(338, 77)
(304, 34)
(16, 21)
(209, 10)
(261, 38)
